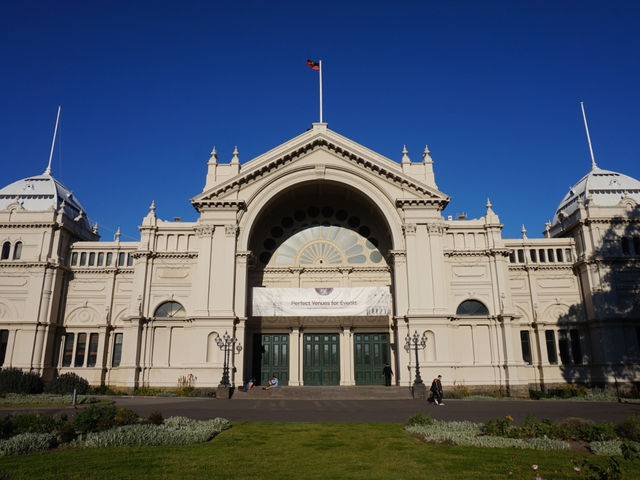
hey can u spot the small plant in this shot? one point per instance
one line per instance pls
(459, 391)
(155, 418)
(36, 423)
(420, 419)
(14, 380)
(187, 381)
(67, 383)
(629, 429)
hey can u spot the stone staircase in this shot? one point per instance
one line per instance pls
(359, 392)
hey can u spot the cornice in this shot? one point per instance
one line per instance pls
(477, 253)
(531, 267)
(31, 225)
(314, 269)
(307, 147)
(96, 270)
(236, 204)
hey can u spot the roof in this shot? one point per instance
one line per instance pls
(602, 188)
(41, 193)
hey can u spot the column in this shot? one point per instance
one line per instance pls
(202, 278)
(295, 379)
(346, 357)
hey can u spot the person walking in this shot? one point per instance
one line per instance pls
(386, 373)
(436, 390)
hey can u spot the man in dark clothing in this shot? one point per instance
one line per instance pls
(386, 373)
(436, 390)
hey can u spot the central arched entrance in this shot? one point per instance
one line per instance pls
(315, 244)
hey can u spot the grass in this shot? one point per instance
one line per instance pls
(300, 450)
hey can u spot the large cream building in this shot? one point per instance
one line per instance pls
(320, 257)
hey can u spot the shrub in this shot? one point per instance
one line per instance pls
(36, 423)
(14, 380)
(101, 390)
(66, 433)
(420, 419)
(155, 418)
(500, 427)
(66, 383)
(146, 391)
(629, 429)
(537, 394)
(28, 442)
(13, 399)
(468, 433)
(174, 431)
(97, 419)
(203, 392)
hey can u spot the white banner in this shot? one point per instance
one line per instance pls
(320, 302)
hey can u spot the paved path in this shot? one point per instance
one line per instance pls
(366, 411)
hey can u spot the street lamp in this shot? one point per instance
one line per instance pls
(417, 343)
(227, 344)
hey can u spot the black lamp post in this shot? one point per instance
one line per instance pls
(417, 343)
(228, 345)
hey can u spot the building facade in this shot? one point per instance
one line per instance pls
(320, 257)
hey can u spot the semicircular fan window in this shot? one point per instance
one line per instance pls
(326, 245)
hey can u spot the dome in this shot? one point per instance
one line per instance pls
(41, 193)
(603, 188)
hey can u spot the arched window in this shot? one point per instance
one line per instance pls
(169, 310)
(5, 251)
(17, 251)
(471, 308)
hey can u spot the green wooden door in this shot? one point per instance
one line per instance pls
(371, 352)
(321, 359)
(271, 357)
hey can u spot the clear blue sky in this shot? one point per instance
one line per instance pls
(147, 88)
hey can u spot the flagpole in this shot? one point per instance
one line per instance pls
(586, 127)
(55, 132)
(320, 76)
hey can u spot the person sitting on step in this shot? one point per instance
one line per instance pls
(273, 383)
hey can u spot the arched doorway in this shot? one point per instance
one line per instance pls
(331, 240)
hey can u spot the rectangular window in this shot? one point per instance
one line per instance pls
(550, 255)
(542, 256)
(559, 254)
(533, 256)
(4, 340)
(80, 349)
(525, 342)
(109, 259)
(129, 260)
(92, 259)
(68, 350)
(520, 256)
(563, 343)
(576, 350)
(83, 259)
(100, 259)
(74, 258)
(121, 259)
(117, 350)
(567, 255)
(552, 354)
(512, 257)
(93, 350)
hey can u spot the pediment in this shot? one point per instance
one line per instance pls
(344, 152)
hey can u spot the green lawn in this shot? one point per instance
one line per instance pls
(300, 450)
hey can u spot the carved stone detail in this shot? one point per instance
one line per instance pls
(205, 230)
(231, 230)
(409, 228)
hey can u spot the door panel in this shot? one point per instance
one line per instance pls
(271, 356)
(371, 352)
(321, 359)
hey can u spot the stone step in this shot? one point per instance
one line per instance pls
(359, 392)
